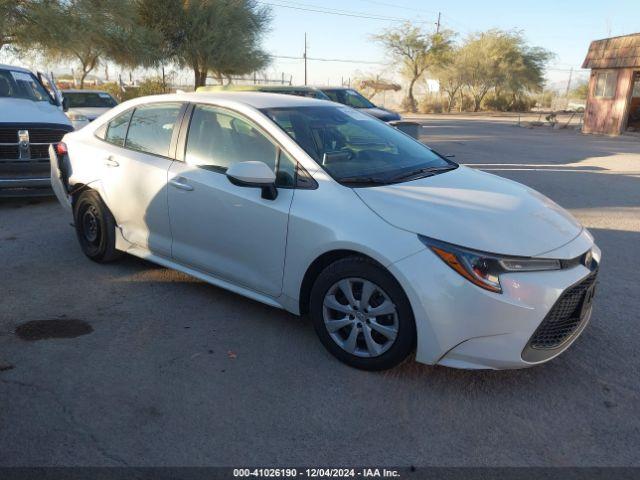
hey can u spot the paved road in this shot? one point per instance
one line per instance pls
(177, 372)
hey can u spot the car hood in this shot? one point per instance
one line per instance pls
(90, 112)
(381, 113)
(19, 110)
(476, 210)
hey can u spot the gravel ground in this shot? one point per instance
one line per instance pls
(171, 371)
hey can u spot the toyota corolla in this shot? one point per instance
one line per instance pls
(316, 208)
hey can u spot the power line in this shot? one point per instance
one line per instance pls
(342, 60)
(342, 13)
(375, 2)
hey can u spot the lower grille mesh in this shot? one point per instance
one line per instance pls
(564, 318)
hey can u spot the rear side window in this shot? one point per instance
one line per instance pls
(117, 129)
(151, 128)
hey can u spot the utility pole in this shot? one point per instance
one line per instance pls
(569, 82)
(305, 58)
(438, 23)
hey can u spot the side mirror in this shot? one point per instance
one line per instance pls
(65, 104)
(256, 175)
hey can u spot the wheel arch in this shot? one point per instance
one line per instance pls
(78, 188)
(319, 264)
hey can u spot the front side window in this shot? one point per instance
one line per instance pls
(117, 129)
(151, 128)
(15, 84)
(606, 84)
(89, 100)
(355, 148)
(219, 139)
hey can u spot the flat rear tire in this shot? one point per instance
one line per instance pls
(95, 228)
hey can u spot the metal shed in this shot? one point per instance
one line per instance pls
(613, 103)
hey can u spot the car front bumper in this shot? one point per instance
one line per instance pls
(24, 178)
(463, 326)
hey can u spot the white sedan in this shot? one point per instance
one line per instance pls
(84, 106)
(316, 208)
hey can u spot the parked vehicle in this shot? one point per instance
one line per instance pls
(84, 106)
(354, 99)
(315, 207)
(300, 91)
(31, 119)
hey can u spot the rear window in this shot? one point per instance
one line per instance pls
(117, 129)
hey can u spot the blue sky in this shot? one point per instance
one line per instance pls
(564, 27)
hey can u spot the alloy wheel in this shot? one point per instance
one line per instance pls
(360, 317)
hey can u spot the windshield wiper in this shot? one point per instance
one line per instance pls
(364, 180)
(427, 171)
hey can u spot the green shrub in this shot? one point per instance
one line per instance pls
(431, 104)
(144, 88)
(507, 103)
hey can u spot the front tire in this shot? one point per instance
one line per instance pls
(362, 315)
(95, 228)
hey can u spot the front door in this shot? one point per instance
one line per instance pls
(135, 177)
(222, 229)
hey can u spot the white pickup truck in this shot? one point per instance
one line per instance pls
(31, 119)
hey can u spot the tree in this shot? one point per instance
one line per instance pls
(501, 62)
(87, 31)
(417, 51)
(11, 18)
(209, 36)
(581, 91)
(371, 85)
(450, 76)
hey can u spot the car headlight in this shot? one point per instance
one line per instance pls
(484, 269)
(77, 117)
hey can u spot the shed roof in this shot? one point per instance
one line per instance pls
(615, 52)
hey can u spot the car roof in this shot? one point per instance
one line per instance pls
(257, 88)
(256, 100)
(72, 90)
(336, 88)
(13, 67)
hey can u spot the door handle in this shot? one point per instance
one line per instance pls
(181, 185)
(110, 162)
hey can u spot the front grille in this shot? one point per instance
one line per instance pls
(36, 135)
(564, 317)
(39, 152)
(8, 135)
(9, 152)
(39, 139)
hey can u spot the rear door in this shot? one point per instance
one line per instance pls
(135, 174)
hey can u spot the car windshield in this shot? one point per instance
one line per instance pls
(355, 148)
(15, 84)
(89, 100)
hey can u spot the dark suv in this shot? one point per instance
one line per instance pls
(352, 98)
